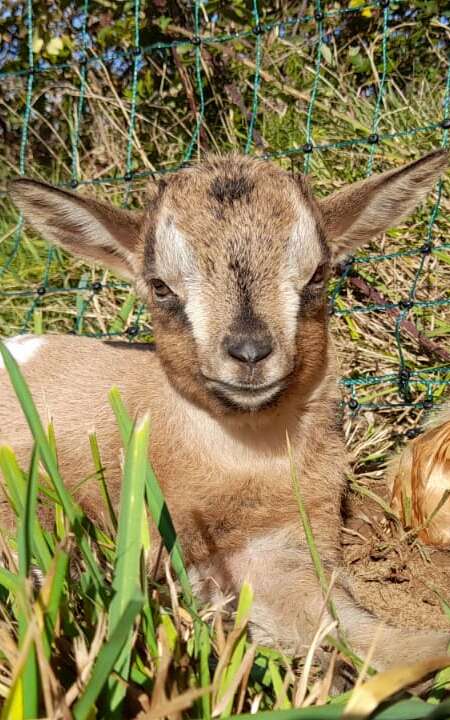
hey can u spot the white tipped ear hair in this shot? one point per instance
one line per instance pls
(360, 211)
(86, 227)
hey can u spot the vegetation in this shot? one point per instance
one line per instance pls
(100, 632)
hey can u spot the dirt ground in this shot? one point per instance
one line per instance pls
(399, 580)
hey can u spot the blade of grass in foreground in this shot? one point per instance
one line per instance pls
(126, 582)
(49, 598)
(242, 615)
(30, 674)
(16, 486)
(71, 509)
(366, 698)
(27, 521)
(95, 451)
(403, 710)
(205, 675)
(157, 505)
(106, 659)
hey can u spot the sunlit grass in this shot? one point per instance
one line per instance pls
(97, 635)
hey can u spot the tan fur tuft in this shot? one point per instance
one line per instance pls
(420, 480)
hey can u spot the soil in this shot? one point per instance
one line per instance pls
(398, 579)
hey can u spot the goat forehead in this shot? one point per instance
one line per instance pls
(237, 218)
(233, 191)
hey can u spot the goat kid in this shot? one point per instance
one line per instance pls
(232, 257)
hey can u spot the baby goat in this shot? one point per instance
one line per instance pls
(232, 257)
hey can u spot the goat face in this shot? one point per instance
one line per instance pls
(232, 256)
(234, 267)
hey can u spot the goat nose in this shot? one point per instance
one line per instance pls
(249, 350)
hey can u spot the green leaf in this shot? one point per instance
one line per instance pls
(126, 581)
(242, 615)
(157, 505)
(100, 474)
(17, 491)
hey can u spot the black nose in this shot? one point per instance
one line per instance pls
(248, 350)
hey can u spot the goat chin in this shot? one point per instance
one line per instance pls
(420, 482)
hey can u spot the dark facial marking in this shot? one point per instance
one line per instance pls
(244, 279)
(228, 189)
(170, 311)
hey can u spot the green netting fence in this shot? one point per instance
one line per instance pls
(194, 48)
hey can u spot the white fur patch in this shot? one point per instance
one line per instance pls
(175, 264)
(304, 254)
(174, 258)
(198, 312)
(289, 304)
(304, 247)
(23, 348)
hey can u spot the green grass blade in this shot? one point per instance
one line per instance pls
(72, 510)
(148, 627)
(17, 490)
(14, 479)
(403, 710)
(10, 581)
(278, 686)
(205, 675)
(51, 606)
(340, 643)
(29, 521)
(38, 327)
(242, 615)
(106, 660)
(100, 474)
(157, 505)
(315, 557)
(30, 672)
(26, 525)
(124, 313)
(126, 582)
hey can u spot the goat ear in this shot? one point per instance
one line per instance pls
(360, 211)
(83, 226)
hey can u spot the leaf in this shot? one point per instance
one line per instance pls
(37, 44)
(242, 615)
(126, 582)
(157, 505)
(365, 699)
(326, 54)
(55, 46)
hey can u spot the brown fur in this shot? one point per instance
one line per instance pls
(238, 243)
(421, 473)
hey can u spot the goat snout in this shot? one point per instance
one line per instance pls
(248, 349)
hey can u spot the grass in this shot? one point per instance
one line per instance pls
(100, 637)
(98, 633)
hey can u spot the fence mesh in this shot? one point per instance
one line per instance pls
(193, 56)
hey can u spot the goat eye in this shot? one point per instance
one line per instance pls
(319, 276)
(160, 289)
